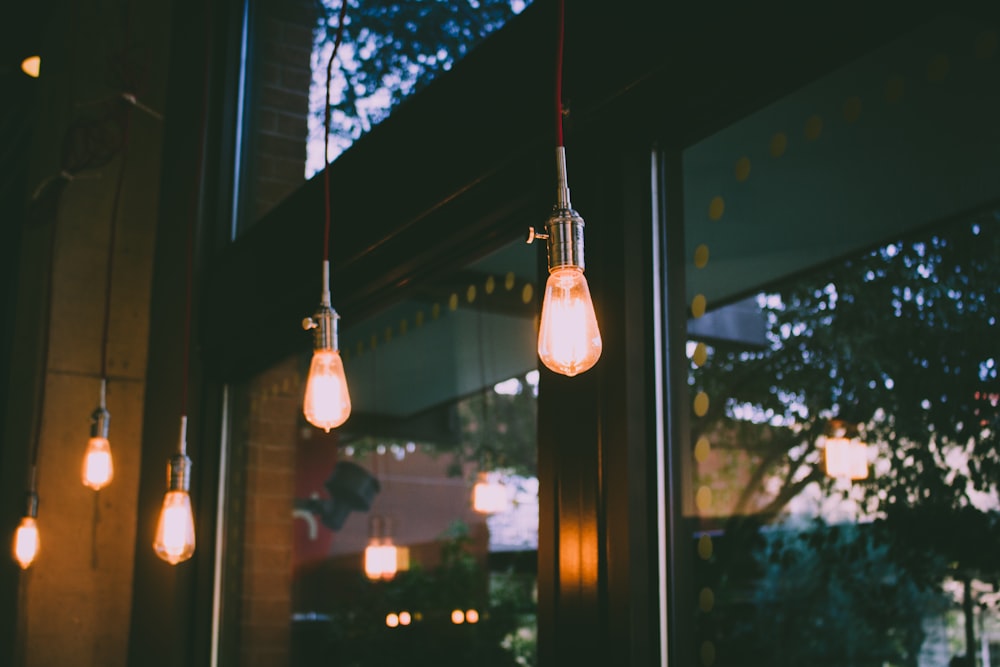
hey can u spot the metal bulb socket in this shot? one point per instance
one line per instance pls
(324, 324)
(179, 473)
(100, 420)
(564, 228)
(31, 504)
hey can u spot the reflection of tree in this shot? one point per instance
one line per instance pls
(825, 595)
(499, 430)
(903, 341)
(400, 46)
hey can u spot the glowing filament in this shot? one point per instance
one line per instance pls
(26, 542)
(380, 560)
(846, 458)
(489, 497)
(98, 467)
(174, 541)
(327, 403)
(569, 341)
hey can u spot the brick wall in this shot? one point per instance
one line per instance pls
(266, 601)
(279, 104)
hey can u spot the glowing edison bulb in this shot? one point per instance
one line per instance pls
(489, 496)
(26, 542)
(98, 467)
(569, 341)
(174, 541)
(327, 404)
(32, 66)
(846, 458)
(380, 559)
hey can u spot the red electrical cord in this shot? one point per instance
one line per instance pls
(560, 40)
(326, 133)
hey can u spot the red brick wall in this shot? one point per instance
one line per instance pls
(265, 625)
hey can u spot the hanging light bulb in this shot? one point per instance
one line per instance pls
(327, 402)
(380, 559)
(174, 541)
(98, 466)
(381, 556)
(32, 66)
(846, 457)
(489, 496)
(569, 340)
(26, 536)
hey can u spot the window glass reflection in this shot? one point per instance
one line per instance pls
(364, 546)
(842, 463)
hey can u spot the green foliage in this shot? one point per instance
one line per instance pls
(359, 634)
(825, 595)
(499, 430)
(903, 340)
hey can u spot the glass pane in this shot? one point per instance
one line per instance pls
(842, 474)
(389, 51)
(364, 545)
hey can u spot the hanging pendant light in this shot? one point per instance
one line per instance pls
(569, 340)
(381, 557)
(174, 541)
(327, 402)
(489, 495)
(98, 466)
(26, 542)
(846, 456)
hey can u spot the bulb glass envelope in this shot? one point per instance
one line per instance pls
(846, 458)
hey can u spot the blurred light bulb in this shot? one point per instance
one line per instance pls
(380, 559)
(489, 496)
(32, 66)
(846, 458)
(569, 341)
(98, 467)
(327, 403)
(26, 542)
(174, 541)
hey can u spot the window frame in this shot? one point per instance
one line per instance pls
(465, 166)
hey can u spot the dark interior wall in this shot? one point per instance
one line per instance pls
(72, 605)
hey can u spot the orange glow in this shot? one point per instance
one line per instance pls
(380, 560)
(458, 617)
(174, 541)
(98, 467)
(32, 66)
(26, 542)
(391, 620)
(489, 497)
(846, 458)
(405, 618)
(472, 616)
(569, 341)
(327, 403)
